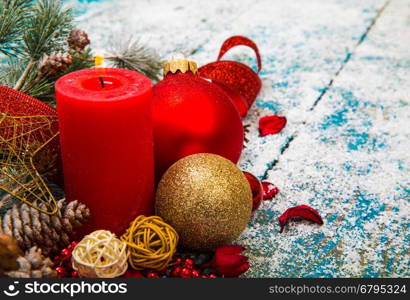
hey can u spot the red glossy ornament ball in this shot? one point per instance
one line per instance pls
(192, 115)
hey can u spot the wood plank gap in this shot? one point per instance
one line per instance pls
(329, 85)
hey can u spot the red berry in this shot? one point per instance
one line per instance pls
(213, 276)
(269, 190)
(189, 263)
(61, 272)
(175, 271)
(72, 245)
(152, 275)
(204, 276)
(195, 273)
(178, 260)
(133, 274)
(66, 252)
(57, 259)
(75, 274)
(185, 273)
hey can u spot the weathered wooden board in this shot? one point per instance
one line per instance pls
(340, 72)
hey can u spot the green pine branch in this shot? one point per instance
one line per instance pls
(29, 30)
(42, 87)
(47, 29)
(12, 18)
(131, 54)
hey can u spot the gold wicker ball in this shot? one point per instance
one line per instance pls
(206, 198)
(100, 254)
(151, 243)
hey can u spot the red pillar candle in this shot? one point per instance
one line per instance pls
(107, 144)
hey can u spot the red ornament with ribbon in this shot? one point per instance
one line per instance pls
(238, 80)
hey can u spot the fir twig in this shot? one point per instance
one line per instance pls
(131, 54)
(42, 87)
(12, 17)
(48, 25)
(24, 75)
(47, 28)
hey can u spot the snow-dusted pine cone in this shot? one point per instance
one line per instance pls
(78, 40)
(55, 63)
(50, 233)
(33, 265)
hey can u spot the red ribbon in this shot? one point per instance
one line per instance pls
(238, 80)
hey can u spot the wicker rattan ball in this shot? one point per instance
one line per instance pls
(100, 254)
(151, 243)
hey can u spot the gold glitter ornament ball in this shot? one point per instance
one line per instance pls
(206, 198)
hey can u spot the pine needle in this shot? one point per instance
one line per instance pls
(131, 54)
(12, 17)
(48, 26)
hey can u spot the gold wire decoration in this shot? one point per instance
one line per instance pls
(29, 149)
(151, 243)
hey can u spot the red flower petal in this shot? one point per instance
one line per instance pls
(228, 262)
(302, 211)
(269, 190)
(271, 125)
(229, 249)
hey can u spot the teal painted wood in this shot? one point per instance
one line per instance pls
(339, 71)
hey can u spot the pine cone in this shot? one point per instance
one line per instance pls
(78, 40)
(55, 63)
(33, 265)
(6, 202)
(9, 252)
(50, 233)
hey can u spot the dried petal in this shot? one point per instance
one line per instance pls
(271, 125)
(269, 190)
(301, 211)
(229, 262)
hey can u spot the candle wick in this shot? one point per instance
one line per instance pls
(101, 81)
